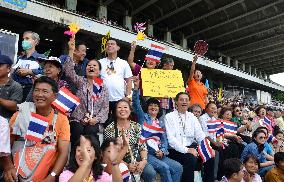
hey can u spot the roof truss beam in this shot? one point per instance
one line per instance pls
(176, 11)
(257, 43)
(149, 3)
(245, 27)
(207, 14)
(279, 26)
(264, 58)
(234, 19)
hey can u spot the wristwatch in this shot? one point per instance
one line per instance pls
(53, 174)
(144, 158)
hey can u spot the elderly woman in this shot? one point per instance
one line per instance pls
(136, 158)
(252, 164)
(170, 170)
(52, 68)
(259, 119)
(91, 113)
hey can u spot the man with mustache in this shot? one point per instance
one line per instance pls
(197, 90)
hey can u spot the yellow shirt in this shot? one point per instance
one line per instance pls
(274, 175)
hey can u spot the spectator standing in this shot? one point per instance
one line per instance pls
(27, 65)
(117, 75)
(197, 90)
(11, 92)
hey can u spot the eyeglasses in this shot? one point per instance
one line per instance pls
(262, 138)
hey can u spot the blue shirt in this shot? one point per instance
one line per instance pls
(252, 149)
(26, 80)
(268, 149)
(145, 117)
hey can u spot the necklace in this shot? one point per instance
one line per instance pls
(181, 122)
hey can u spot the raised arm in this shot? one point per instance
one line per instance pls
(191, 72)
(136, 101)
(130, 59)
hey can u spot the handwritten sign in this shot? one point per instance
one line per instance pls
(161, 83)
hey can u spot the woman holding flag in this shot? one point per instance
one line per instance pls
(93, 94)
(153, 133)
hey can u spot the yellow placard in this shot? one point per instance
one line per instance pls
(161, 83)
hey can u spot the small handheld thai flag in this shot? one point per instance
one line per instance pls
(66, 101)
(213, 126)
(267, 121)
(124, 173)
(150, 132)
(205, 151)
(230, 127)
(36, 127)
(271, 139)
(97, 88)
(155, 53)
(220, 133)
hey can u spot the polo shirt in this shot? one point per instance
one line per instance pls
(27, 80)
(11, 91)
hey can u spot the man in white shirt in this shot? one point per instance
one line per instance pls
(183, 129)
(117, 75)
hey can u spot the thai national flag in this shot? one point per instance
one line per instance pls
(220, 133)
(205, 151)
(230, 127)
(36, 127)
(213, 126)
(155, 53)
(272, 139)
(97, 88)
(150, 132)
(66, 101)
(125, 175)
(267, 121)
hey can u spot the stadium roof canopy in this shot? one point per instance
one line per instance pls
(250, 31)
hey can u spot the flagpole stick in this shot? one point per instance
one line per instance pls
(92, 108)
(17, 172)
(141, 68)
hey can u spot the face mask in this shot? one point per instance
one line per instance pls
(26, 45)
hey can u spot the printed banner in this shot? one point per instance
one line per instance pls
(161, 83)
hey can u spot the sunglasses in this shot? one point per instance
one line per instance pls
(237, 110)
(262, 138)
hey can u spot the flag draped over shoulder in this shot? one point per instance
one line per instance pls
(66, 101)
(37, 127)
(205, 151)
(155, 53)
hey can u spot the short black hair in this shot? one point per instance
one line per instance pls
(179, 94)
(278, 157)
(231, 166)
(153, 100)
(223, 110)
(167, 60)
(78, 43)
(209, 103)
(50, 81)
(116, 41)
(277, 132)
(253, 157)
(106, 143)
(258, 109)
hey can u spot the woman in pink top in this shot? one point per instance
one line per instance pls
(85, 163)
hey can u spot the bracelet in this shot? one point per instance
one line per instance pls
(114, 163)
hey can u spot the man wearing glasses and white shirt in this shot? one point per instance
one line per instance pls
(117, 75)
(183, 130)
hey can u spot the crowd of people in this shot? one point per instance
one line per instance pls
(72, 148)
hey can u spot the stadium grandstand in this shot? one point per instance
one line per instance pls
(245, 37)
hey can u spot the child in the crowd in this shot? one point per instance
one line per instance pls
(278, 146)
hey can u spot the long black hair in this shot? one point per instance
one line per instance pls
(97, 168)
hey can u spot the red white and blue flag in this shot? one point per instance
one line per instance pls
(213, 126)
(151, 132)
(37, 127)
(272, 139)
(125, 173)
(230, 127)
(220, 133)
(97, 88)
(267, 121)
(66, 101)
(205, 151)
(155, 53)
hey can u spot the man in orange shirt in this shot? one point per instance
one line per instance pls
(197, 90)
(56, 134)
(277, 173)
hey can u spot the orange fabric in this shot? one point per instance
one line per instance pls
(274, 175)
(197, 92)
(62, 127)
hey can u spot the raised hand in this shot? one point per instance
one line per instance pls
(87, 158)
(136, 82)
